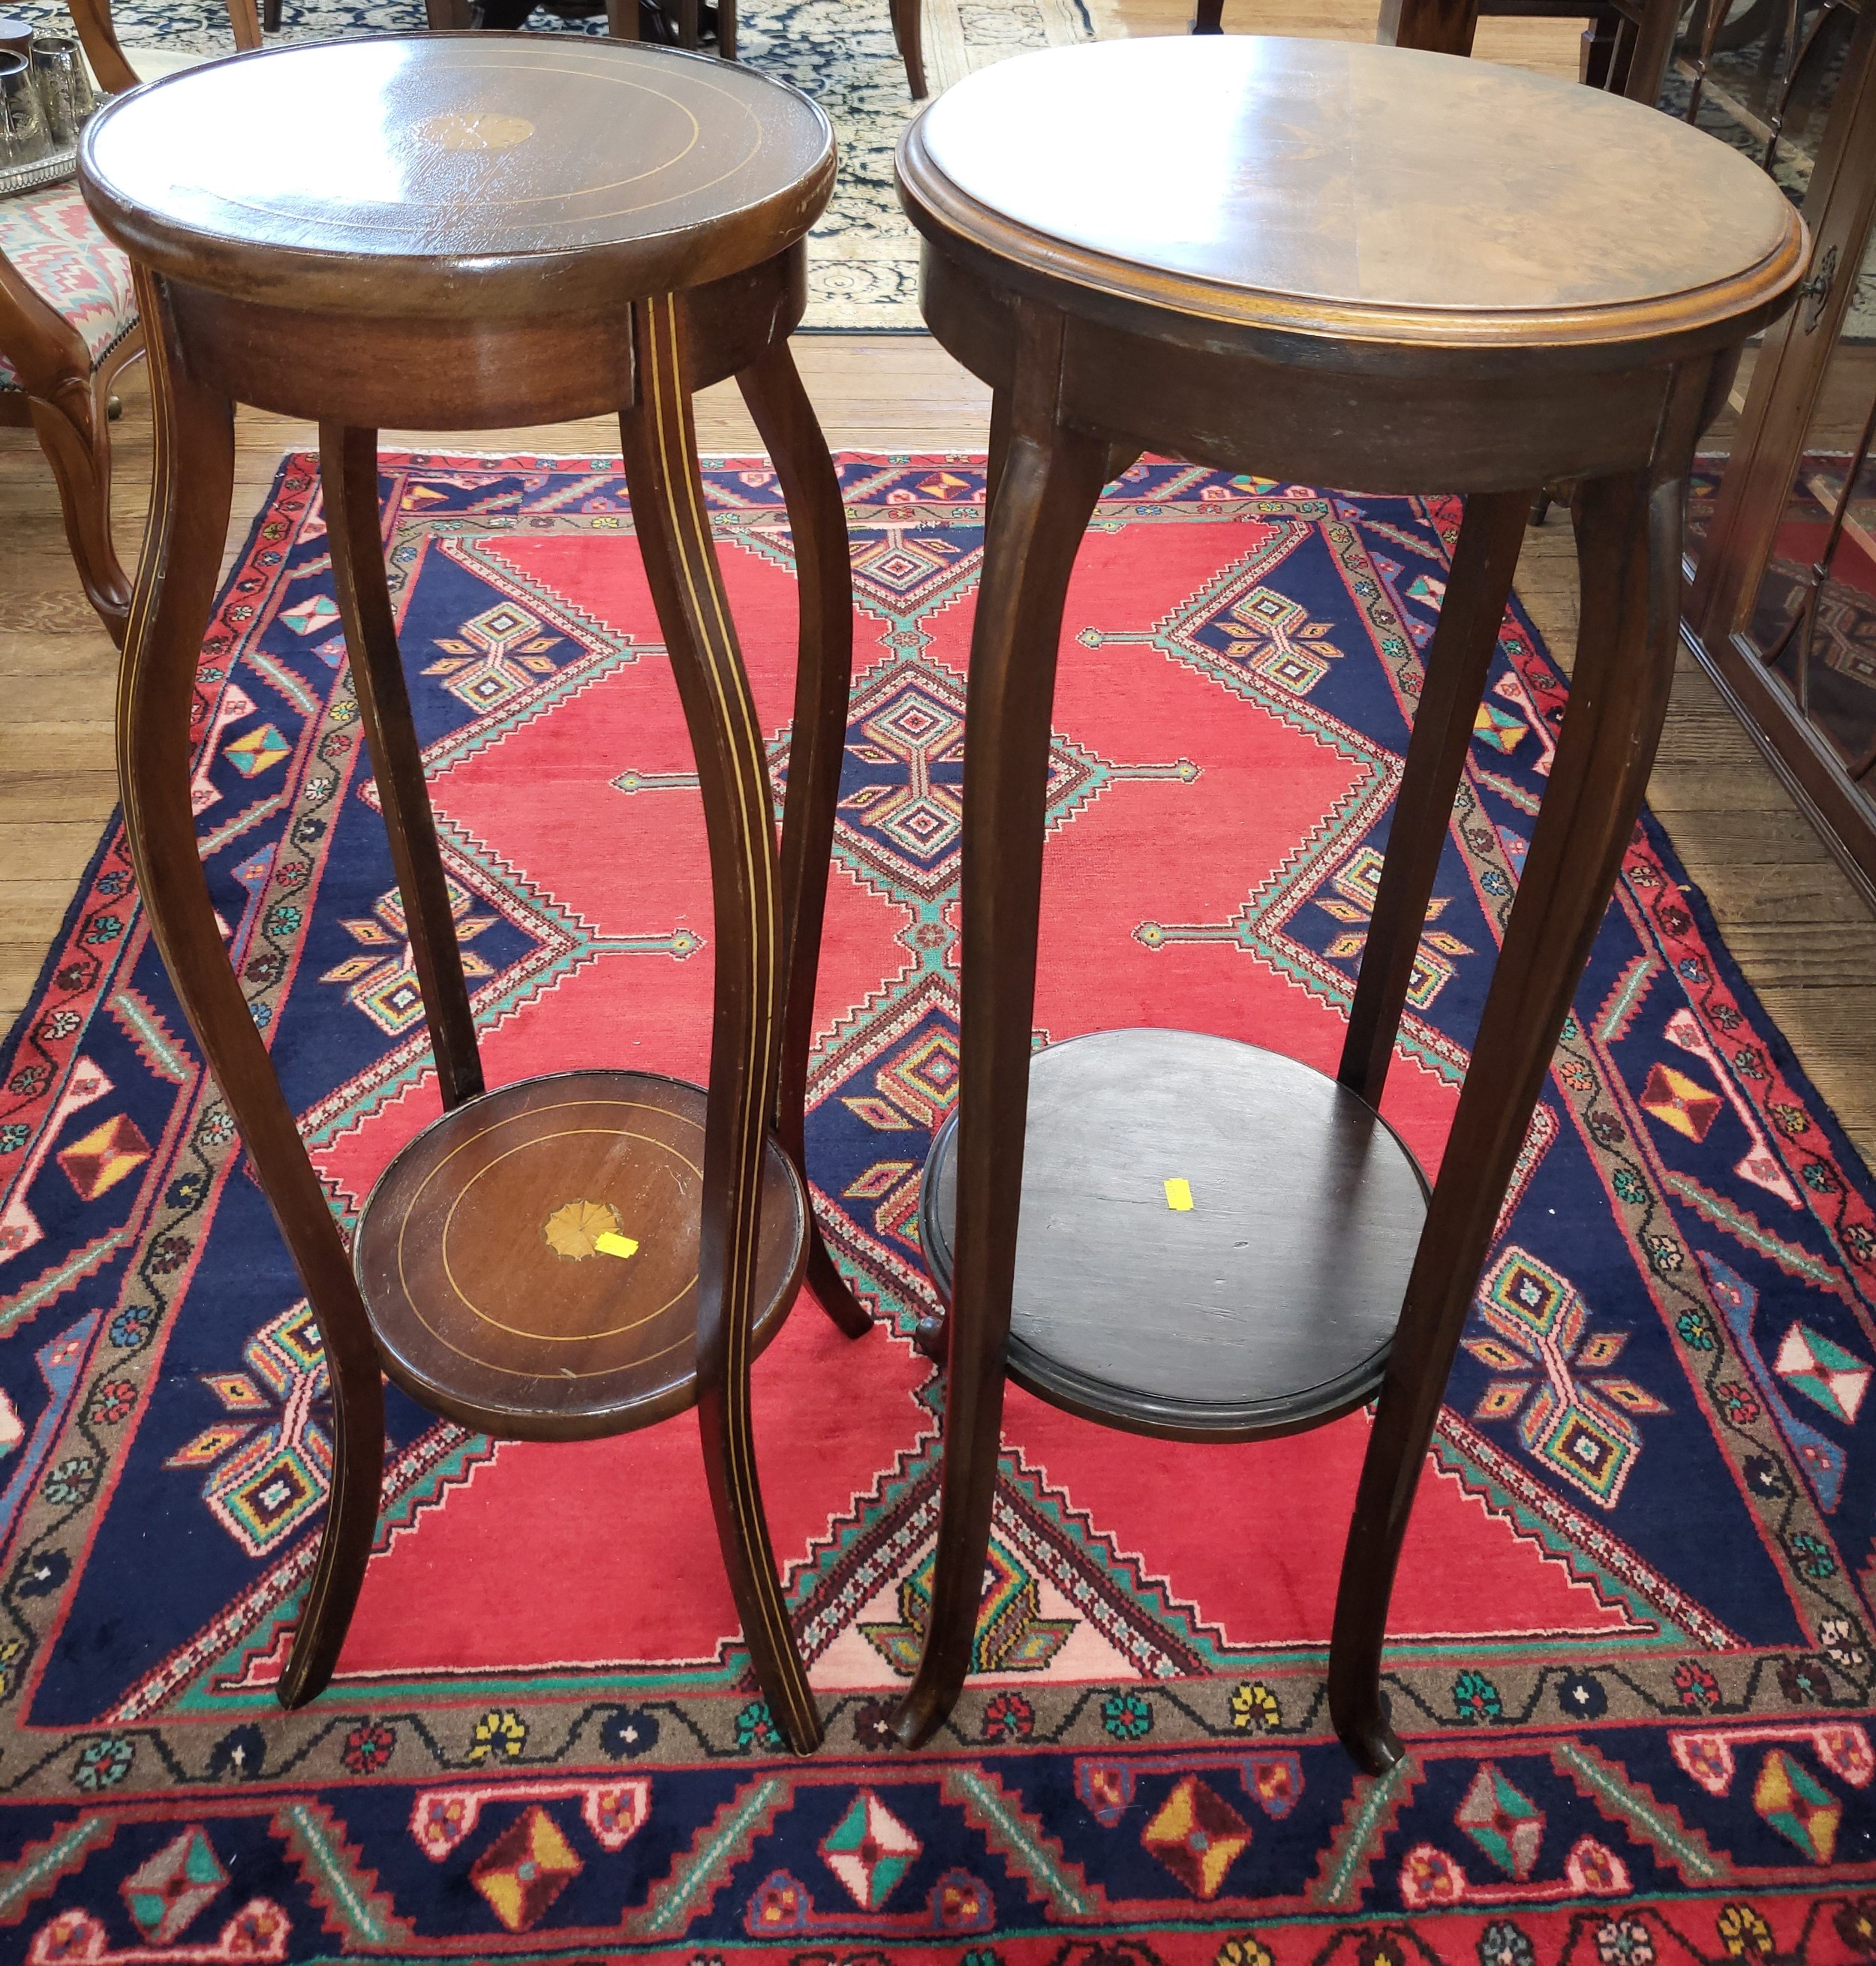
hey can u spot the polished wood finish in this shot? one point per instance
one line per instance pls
(61, 394)
(469, 179)
(470, 1285)
(348, 476)
(494, 1299)
(1368, 195)
(908, 35)
(1257, 1295)
(1283, 327)
(1466, 638)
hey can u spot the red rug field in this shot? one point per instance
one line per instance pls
(1633, 1654)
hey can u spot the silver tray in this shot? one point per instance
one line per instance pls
(48, 170)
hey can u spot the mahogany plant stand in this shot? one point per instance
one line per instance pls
(529, 231)
(1395, 272)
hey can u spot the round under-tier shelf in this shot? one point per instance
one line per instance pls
(1215, 1240)
(530, 1259)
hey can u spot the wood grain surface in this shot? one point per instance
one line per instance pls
(1215, 1239)
(494, 1298)
(458, 174)
(1335, 189)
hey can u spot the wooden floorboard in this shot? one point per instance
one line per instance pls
(1792, 920)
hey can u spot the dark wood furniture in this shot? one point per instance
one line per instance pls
(684, 17)
(62, 380)
(507, 229)
(1397, 272)
(1626, 47)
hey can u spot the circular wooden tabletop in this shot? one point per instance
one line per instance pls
(458, 173)
(1215, 1240)
(1361, 192)
(530, 1259)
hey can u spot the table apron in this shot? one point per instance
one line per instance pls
(386, 371)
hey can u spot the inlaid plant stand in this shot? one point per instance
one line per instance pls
(500, 229)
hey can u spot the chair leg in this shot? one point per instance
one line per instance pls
(667, 494)
(824, 674)
(74, 432)
(348, 469)
(1051, 478)
(908, 35)
(1208, 16)
(1628, 540)
(726, 29)
(183, 544)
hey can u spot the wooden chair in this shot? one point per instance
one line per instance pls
(68, 326)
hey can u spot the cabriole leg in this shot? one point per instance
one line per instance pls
(824, 674)
(1463, 639)
(1629, 543)
(348, 469)
(668, 508)
(175, 585)
(1049, 483)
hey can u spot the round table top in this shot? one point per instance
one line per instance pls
(1334, 187)
(470, 173)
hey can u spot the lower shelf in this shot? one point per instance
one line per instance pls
(1215, 1240)
(530, 1259)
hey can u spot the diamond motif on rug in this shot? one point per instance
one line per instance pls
(1836, 1379)
(1503, 1821)
(1679, 1102)
(525, 1869)
(870, 1850)
(166, 1891)
(1798, 1805)
(1197, 1835)
(105, 1156)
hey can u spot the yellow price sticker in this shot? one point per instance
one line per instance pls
(612, 1245)
(1179, 1195)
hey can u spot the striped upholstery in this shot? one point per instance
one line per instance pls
(48, 237)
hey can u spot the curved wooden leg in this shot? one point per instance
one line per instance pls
(667, 493)
(908, 33)
(189, 519)
(348, 470)
(1478, 585)
(1629, 540)
(1049, 484)
(823, 675)
(74, 432)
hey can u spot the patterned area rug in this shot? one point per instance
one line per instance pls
(1633, 1654)
(863, 256)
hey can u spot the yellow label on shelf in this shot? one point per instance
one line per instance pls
(1178, 1195)
(611, 1245)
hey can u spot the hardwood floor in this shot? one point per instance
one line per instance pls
(1791, 918)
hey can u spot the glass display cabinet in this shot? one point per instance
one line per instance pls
(1782, 535)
